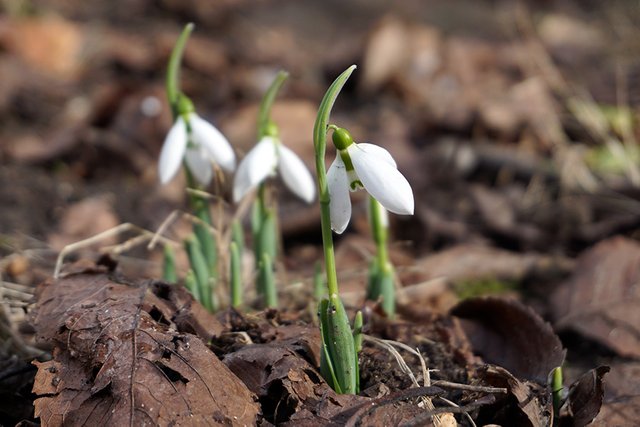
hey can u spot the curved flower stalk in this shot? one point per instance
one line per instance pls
(194, 142)
(365, 166)
(267, 158)
(191, 138)
(339, 352)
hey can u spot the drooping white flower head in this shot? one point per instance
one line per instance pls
(365, 166)
(199, 143)
(264, 160)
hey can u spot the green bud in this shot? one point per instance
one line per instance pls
(341, 138)
(185, 106)
(271, 129)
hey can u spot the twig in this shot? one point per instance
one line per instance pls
(468, 387)
(411, 393)
(388, 345)
(127, 226)
(163, 227)
(421, 418)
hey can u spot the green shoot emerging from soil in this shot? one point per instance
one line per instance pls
(196, 144)
(381, 284)
(268, 157)
(339, 360)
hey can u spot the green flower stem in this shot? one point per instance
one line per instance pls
(381, 282)
(237, 235)
(379, 232)
(169, 273)
(236, 275)
(263, 224)
(199, 266)
(320, 146)
(339, 362)
(191, 283)
(173, 69)
(268, 281)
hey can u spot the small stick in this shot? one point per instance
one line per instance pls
(127, 226)
(160, 231)
(468, 387)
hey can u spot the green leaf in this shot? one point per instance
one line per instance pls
(381, 286)
(191, 283)
(169, 273)
(326, 366)
(267, 281)
(199, 266)
(236, 276)
(205, 237)
(341, 346)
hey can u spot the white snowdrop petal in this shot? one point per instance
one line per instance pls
(256, 166)
(296, 175)
(340, 203)
(213, 141)
(376, 150)
(263, 161)
(172, 151)
(199, 165)
(383, 181)
(241, 181)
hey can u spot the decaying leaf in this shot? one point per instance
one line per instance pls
(621, 403)
(289, 387)
(585, 397)
(528, 403)
(600, 300)
(507, 333)
(115, 364)
(624, 411)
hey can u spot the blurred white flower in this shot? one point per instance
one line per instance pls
(372, 167)
(199, 147)
(267, 157)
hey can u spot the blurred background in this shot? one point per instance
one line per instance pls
(515, 122)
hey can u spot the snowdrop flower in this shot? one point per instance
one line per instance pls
(267, 157)
(365, 166)
(199, 143)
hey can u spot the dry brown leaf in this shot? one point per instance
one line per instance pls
(385, 54)
(624, 411)
(472, 261)
(115, 364)
(49, 44)
(533, 401)
(600, 300)
(585, 397)
(507, 333)
(85, 219)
